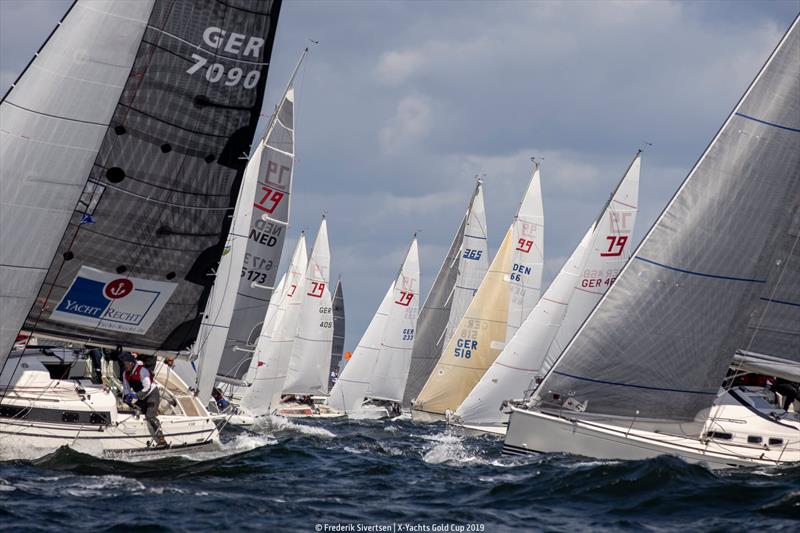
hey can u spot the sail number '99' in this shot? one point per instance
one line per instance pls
(232, 43)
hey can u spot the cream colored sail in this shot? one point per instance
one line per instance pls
(476, 343)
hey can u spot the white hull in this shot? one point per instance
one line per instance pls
(471, 429)
(41, 414)
(301, 410)
(537, 432)
(130, 436)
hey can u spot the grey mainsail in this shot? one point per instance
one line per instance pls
(449, 298)
(774, 325)
(134, 115)
(655, 350)
(337, 347)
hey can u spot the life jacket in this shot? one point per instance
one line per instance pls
(134, 378)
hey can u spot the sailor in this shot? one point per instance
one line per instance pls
(222, 403)
(138, 386)
(788, 389)
(96, 355)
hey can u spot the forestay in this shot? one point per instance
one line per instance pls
(452, 291)
(131, 121)
(311, 350)
(586, 275)
(654, 351)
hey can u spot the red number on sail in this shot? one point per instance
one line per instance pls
(615, 242)
(272, 197)
(405, 298)
(524, 245)
(292, 288)
(317, 289)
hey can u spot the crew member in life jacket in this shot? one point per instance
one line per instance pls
(139, 386)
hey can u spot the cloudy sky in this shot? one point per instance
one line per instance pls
(402, 103)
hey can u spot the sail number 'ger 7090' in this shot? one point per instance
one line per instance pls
(232, 43)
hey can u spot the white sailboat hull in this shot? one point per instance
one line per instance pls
(130, 436)
(537, 432)
(40, 414)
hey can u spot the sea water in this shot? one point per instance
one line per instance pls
(340, 475)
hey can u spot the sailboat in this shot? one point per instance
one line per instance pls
(715, 274)
(337, 345)
(264, 381)
(305, 383)
(120, 160)
(372, 383)
(505, 297)
(245, 278)
(585, 277)
(452, 291)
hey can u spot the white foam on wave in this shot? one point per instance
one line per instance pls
(281, 424)
(97, 486)
(449, 449)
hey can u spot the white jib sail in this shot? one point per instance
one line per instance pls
(271, 358)
(311, 351)
(350, 389)
(527, 256)
(219, 310)
(388, 380)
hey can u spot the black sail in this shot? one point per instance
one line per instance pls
(136, 262)
(337, 346)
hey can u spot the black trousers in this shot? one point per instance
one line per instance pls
(149, 408)
(788, 391)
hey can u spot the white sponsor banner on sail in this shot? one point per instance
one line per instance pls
(111, 301)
